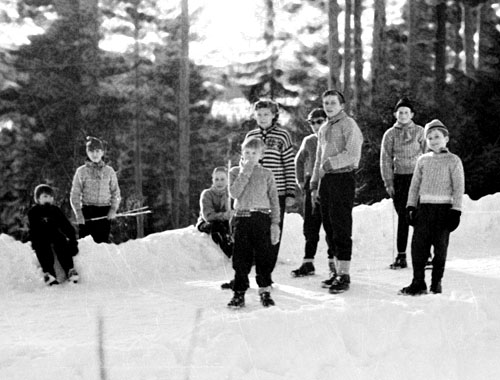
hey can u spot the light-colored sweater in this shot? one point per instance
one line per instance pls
(304, 160)
(401, 146)
(339, 143)
(255, 191)
(213, 204)
(438, 179)
(94, 185)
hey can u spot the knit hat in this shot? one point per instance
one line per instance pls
(93, 143)
(403, 102)
(317, 113)
(43, 189)
(435, 124)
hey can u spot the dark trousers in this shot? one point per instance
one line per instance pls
(252, 242)
(312, 225)
(98, 229)
(336, 195)
(219, 231)
(276, 248)
(45, 251)
(430, 230)
(401, 187)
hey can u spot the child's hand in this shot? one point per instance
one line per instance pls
(228, 215)
(314, 197)
(390, 190)
(327, 165)
(453, 219)
(411, 213)
(247, 167)
(289, 202)
(275, 234)
(111, 214)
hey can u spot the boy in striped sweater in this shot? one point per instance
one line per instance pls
(278, 155)
(434, 207)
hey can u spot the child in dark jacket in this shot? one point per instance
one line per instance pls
(214, 213)
(434, 207)
(52, 233)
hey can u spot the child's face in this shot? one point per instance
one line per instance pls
(45, 199)
(264, 117)
(403, 115)
(331, 105)
(251, 155)
(436, 140)
(219, 180)
(95, 155)
(316, 123)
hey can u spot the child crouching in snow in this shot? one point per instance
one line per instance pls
(214, 213)
(256, 223)
(433, 208)
(52, 233)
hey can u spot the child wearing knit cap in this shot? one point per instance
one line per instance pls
(51, 234)
(433, 207)
(214, 213)
(402, 145)
(95, 194)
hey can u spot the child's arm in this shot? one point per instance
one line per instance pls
(238, 179)
(207, 208)
(287, 158)
(416, 180)
(75, 197)
(351, 154)
(299, 165)
(387, 161)
(458, 184)
(114, 189)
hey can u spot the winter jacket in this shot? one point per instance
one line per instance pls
(47, 223)
(94, 184)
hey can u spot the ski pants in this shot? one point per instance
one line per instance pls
(45, 251)
(401, 187)
(98, 229)
(219, 231)
(252, 243)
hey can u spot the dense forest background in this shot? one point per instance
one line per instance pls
(169, 120)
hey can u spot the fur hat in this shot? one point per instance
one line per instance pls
(42, 189)
(435, 124)
(317, 113)
(93, 143)
(404, 102)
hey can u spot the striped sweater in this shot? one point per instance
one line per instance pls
(339, 147)
(439, 179)
(401, 146)
(278, 156)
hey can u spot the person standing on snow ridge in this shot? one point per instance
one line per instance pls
(337, 157)
(95, 194)
(402, 145)
(434, 207)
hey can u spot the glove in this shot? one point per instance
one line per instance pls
(73, 247)
(453, 219)
(275, 234)
(82, 231)
(411, 213)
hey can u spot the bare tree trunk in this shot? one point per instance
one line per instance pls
(413, 56)
(184, 129)
(440, 49)
(347, 52)
(378, 55)
(269, 37)
(358, 56)
(333, 44)
(469, 30)
(484, 19)
(456, 12)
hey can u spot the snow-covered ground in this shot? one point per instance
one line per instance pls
(165, 317)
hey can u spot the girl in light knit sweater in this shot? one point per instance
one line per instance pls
(434, 207)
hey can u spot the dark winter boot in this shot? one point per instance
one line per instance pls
(416, 288)
(436, 288)
(266, 300)
(306, 269)
(329, 281)
(73, 276)
(49, 279)
(340, 284)
(238, 300)
(228, 285)
(399, 262)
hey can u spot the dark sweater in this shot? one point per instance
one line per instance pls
(48, 223)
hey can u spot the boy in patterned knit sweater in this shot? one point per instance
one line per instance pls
(434, 207)
(401, 146)
(256, 223)
(214, 213)
(304, 165)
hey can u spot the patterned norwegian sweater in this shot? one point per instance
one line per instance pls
(257, 191)
(304, 160)
(94, 185)
(213, 204)
(339, 147)
(438, 178)
(278, 156)
(401, 146)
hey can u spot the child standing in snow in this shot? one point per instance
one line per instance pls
(256, 222)
(95, 194)
(304, 165)
(214, 214)
(401, 146)
(52, 233)
(434, 204)
(278, 155)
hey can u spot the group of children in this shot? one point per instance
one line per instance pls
(95, 197)
(425, 181)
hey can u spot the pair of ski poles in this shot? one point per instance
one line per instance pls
(133, 212)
